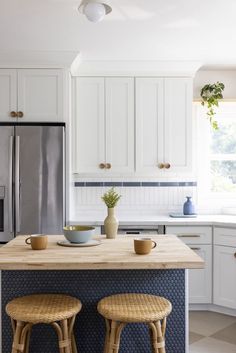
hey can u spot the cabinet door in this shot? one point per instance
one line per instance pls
(40, 94)
(149, 125)
(8, 94)
(89, 125)
(178, 124)
(200, 280)
(225, 276)
(119, 115)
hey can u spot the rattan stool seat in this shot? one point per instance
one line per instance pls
(43, 308)
(134, 308)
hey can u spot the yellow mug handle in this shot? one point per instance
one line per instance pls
(28, 241)
(154, 244)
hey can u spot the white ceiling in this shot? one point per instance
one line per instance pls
(203, 30)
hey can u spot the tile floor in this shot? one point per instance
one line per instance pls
(212, 332)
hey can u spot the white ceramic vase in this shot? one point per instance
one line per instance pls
(111, 224)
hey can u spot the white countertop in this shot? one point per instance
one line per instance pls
(154, 220)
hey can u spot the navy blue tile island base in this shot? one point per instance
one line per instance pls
(90, 286)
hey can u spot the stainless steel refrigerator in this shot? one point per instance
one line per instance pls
(32, 179)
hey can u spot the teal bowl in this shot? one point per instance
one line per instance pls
(78, 234)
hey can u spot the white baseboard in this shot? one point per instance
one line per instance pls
(212, 307)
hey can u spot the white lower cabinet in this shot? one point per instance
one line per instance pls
(199, 239)
(225, 276)
(225, 267)
(200, 280)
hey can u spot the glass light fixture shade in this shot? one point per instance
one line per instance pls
(95, 12)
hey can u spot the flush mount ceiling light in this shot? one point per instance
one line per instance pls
(95, 10)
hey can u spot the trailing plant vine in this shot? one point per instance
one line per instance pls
(210, 95)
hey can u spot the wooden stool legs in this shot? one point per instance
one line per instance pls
(21, 332)
(114, 329)
(64, 330)
(157, 333)
(113, 332)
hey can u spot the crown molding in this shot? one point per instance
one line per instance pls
(136, 68)
(38, 59)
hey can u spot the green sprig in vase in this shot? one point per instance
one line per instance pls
(111, 198)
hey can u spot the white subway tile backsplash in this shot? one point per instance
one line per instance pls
(159, 199)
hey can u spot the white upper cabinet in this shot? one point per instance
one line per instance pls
(103, 141)
(8, 94)
(164, 125)
(119, 112)
(88, 125)
(149, 125)
(178, 124)
(40, 94)
(31, 95)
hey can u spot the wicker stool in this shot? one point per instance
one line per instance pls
(121, 309)
(54, 309)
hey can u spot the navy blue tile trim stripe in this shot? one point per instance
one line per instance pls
(136, 184)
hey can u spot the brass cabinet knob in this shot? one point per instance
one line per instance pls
(167, 165)
(161, 166)
(108, 166)
(102, 166)
(20, 114)
(235, 255)
(13, 114)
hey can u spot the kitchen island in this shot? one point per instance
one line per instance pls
(92, 273)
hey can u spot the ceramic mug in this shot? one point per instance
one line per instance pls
(143, 246)
(37, 241)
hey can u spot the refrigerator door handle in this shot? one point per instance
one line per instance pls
(17, 182)
(10, 208)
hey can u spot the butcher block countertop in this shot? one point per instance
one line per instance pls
(112, 254)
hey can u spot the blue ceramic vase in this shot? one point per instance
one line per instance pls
(189, 207)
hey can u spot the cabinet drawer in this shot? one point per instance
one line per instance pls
(225, 236)
(191, 234)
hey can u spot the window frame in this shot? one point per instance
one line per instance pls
(204, 156)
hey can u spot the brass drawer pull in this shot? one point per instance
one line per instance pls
(108, 166)
(189, 235)
(235, 255)
(195, 249)
(161, 166)
(13, 114)
(102, 166)
(167, 165)
(20, 114)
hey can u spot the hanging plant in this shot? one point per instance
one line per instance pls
(211, 94)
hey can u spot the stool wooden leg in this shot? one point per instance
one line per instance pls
(157, 337)
(71, 334)
(108, 330)
(66, 338)
(27, 339)
(17, 346)
(59, 335)
(112, 343)
(160, 337)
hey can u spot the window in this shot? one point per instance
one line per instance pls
(223, 152)
(219, 151)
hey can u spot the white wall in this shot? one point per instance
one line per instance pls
(228, 77)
